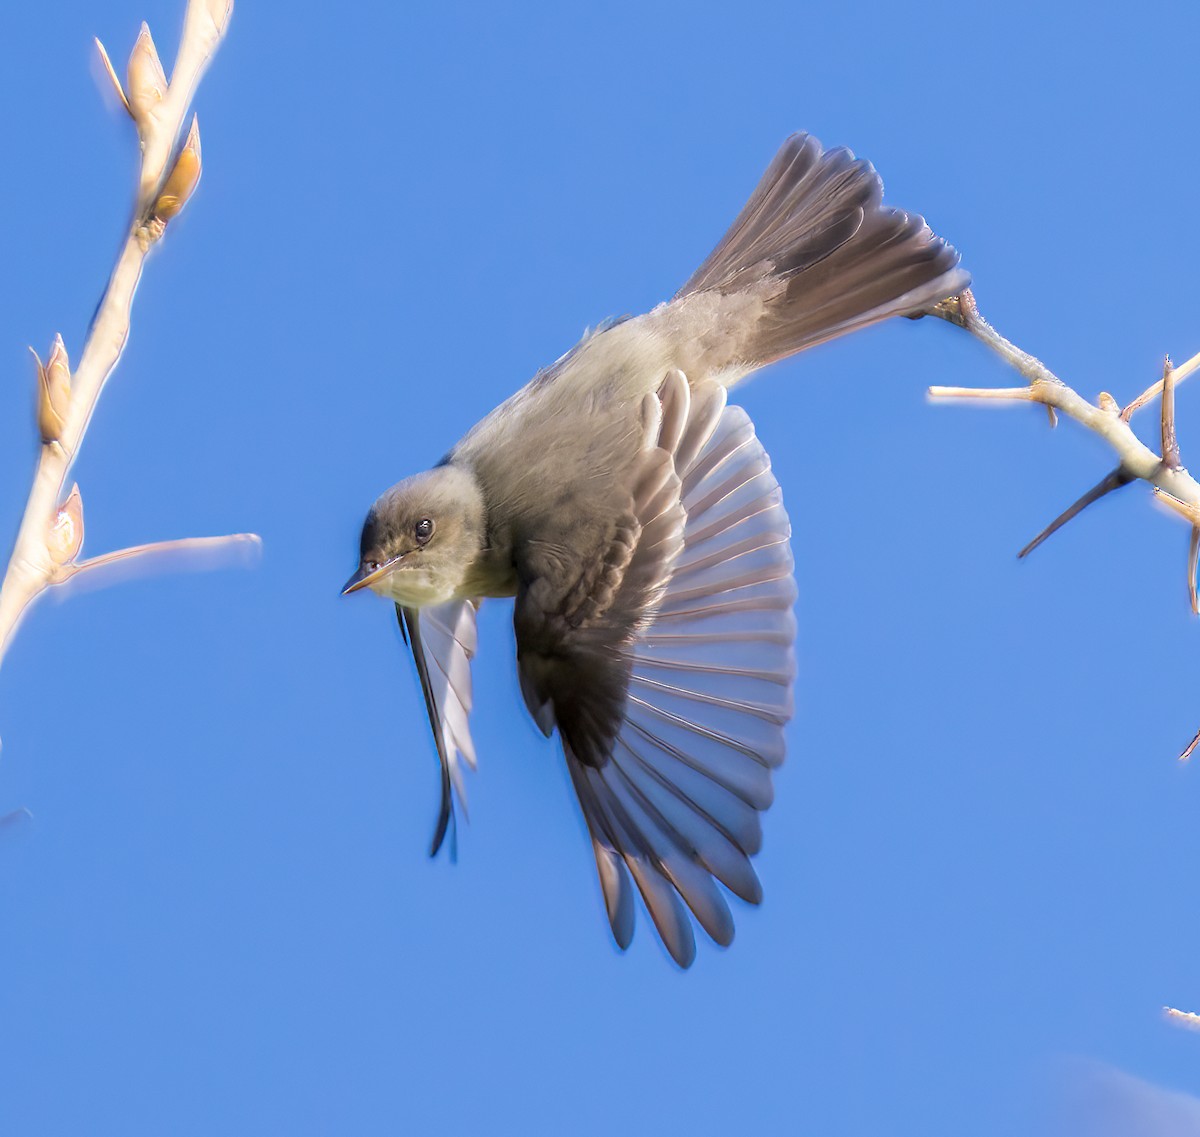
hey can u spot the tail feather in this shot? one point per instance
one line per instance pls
(827, 255)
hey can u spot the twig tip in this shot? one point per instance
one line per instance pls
(1187, 1019)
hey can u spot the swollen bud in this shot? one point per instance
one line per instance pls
(54, 391)
(145, 78)
(65, 536)
(183, 179)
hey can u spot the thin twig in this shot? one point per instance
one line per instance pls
(1155, 389)
(1186, 1019)
(168, 174)
(191, 546)
(1171, 481)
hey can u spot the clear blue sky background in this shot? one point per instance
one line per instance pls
(981, 868)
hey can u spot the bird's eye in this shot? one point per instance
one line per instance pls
(423, 530)
(370, 566)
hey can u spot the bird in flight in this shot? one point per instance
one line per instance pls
(632, 514)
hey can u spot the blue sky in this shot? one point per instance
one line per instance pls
(980, 870)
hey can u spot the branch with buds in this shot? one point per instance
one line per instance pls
(1164, 471)
(48, 543)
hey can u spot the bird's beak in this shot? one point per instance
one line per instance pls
(364, 578)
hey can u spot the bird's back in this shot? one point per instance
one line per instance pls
(554, 455)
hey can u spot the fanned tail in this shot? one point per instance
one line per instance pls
(817, 246)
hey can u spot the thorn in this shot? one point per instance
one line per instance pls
(1107, 403)
(1052, 415)
(1190, 747)
(1111, 481)
(1170, 444)
(1180, 374)
(112, 77)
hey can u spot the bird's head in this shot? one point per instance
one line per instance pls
(421, 538)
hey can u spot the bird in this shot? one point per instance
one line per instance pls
(630, 512)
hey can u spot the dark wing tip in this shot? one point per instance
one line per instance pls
(410, 625)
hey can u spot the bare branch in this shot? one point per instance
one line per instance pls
(1172, 484)
(168, 175)
(198, 552)
(1186, 1019)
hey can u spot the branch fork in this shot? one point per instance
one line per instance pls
(1164, 471)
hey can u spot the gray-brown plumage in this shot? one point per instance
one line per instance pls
(633, 516)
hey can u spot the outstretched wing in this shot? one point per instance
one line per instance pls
(671, 690)
(443, 641)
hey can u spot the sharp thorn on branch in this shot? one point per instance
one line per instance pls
(1179, 374)
(1170, 444)
(1191, 746)
(1112, 481)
